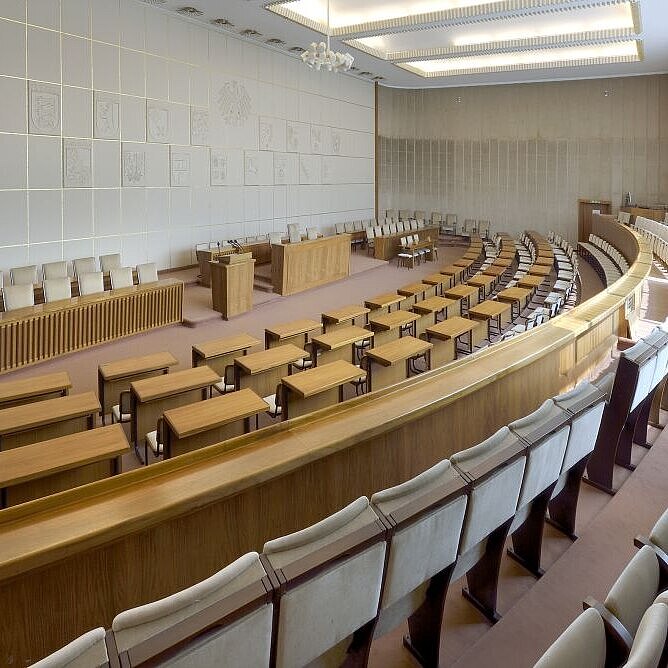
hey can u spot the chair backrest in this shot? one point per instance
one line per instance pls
(436, 217)
(357, 226)
(274, 238)
(401, 226)
(84, 265)
(635, 589)
(231, 609)
(391, 214)
(109, 262)
(91, 283)
(427, 516)
(650, 640)
(89, 650)
(57, 288)
(54, 270)
(339, 228)
(332, 574)
(23, 275)
(121, 278)
(311, 233)
(349, 227)
(451, 218)
(377, 230)
(370, 233)
(658, 339)
(659, 533)
(18, 296)
(386, 229)
(496, 490)
(640, 361)
(147, 273)
(414, 225)
(294, 233)
(404, 214)
(393, 228)
(420, 215)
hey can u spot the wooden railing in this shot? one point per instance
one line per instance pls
(71, 561)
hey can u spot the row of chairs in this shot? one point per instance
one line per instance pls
(656, 234)
(22, 295)
(629, 628)
(325, 592)
(447, 223)
(410, 252)
(609, 263)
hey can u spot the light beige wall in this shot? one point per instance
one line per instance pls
(522, 155)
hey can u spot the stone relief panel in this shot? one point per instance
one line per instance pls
(298, 137)
(199, 126)
(106, 117)
(227, 167)
(258, 168)
(134, 167)
(335, 142)
(233, 103)
(179, 166)
(272, 134)
(157, 123)
(44, 117)
(310, 169)
(77, 163)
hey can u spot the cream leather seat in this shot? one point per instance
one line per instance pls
(90, 284)
(57, 288)
(147, 273)
(84, 265)
(54, 270)
(18, 296)
(87, 651)
(109, 262)
(24, 275)
(121, 277)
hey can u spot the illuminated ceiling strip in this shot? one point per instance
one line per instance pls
(503, 46)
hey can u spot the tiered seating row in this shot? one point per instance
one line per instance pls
(609, 263)
(656, 234)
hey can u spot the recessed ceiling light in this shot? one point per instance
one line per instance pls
(189, 11)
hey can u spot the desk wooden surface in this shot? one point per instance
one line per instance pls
(186, 421)
(42, 413)
(294, 328)
(494, 270)
(489, 309)
(464, 263)
(399, 350)
(452, 270)
(481, 280)
(38, 460)
(134, 366)
(451, 328)
(225, 346)
(540, 270)
(158, 387)
(433, 305)
(434, 279)
(460, 291)
(412, 289)
(381, 301)
(339, 338)
(513, 294)
(389, 321)
(544, 261)
(326, 377)
(530, 281)
(506, 255)
(343, 314)
(269, 359)
(14, 391)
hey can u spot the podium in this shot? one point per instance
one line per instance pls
(232, 284)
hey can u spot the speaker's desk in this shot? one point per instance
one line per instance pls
(47, 467)
(195, 426)
(390, 363)
(38, 388)
(339, 344)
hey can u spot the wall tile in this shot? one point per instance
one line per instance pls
(77, 112)
(157, 77)
(105, 21)
(43, 55)
(12, 49)
(133, 73)
(106, 164)
(14, 152)
(77, 213)
(133, 25)
(76, 61)
(107, 212)
(133, 118)
(45, 215)
(13, 9)
(106, 67)
(13, 111)
(14, 207)
(44, 13)
(45, 161)
(75, 17)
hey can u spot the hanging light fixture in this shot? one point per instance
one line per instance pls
(321, 55)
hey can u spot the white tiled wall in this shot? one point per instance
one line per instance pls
(123, 128)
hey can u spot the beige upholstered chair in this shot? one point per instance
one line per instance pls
(84, 265)
(54, 270)
(404, 214)
(649, 642)
(496, 468)
(225, 620)
(24, 275)
(339, 228)
(87, 651)
(311, 233)
(121, 278)
(427, 515)
(659, 534)
(391, 214)
(147, 273)
(18, 296)
(420, 215)
(57, 288)
(331, 576)
(276, 238)
(109, 262)
(90, 284)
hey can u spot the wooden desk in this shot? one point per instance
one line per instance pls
(544, 261)
(387, 246)
(464, 264)
(415, 290)
(262, 371)
(437, 306)
(466, 294)
(37, 388)
(204, 423)
(495, 270)
(30, 423)
(389, 326)
(317, 388)
(451, 330)
(219, 353)
(308, 264)
(518, 298)
(437, 281)
(540, 270)
(48, 467)
(389, 363)
(151, 397)
(232, 285)
(344, 316)
(81, 322)
(260, 250)
(484, 283)
(295, 332)
(115, 377)
(506, 255)
(653, 214)
(491, 311)
(339, 344)
(455, 273)
(385, 301)
(530, 281)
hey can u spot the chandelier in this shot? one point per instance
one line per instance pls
(321, 55)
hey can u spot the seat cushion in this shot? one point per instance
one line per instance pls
(118, 416)
(152, 442)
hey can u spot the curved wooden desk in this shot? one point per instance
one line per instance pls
(147, 533)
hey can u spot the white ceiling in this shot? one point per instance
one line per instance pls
(438, 43)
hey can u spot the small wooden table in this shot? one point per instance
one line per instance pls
(115, 377)
(517, 297)
(390, 363)
(397, 324)
(456, 274)
(339, 344)
(220, 353)
(262, 371)
(530, 281)
(544, 261)
(464, 264)
(437, 280)
(490, 311)
(151, 397)
(540, 270)
(453, 329)
(414, 290)
(295, 332)
(484, 283)
(506, 255)
(207, 422)
(466, 294)
(436, 305)
(383, 301)
(497, 268)
(37, 388)
(317, 388)
(342, 316)
(48, 467)
(30, 423)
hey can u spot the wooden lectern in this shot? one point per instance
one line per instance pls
(585, 209)
(232, 284)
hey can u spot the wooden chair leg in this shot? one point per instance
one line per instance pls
(357, 655)
(563, 507)
(640, 431)
(601, 464)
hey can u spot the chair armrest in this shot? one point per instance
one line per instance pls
(618, 639)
